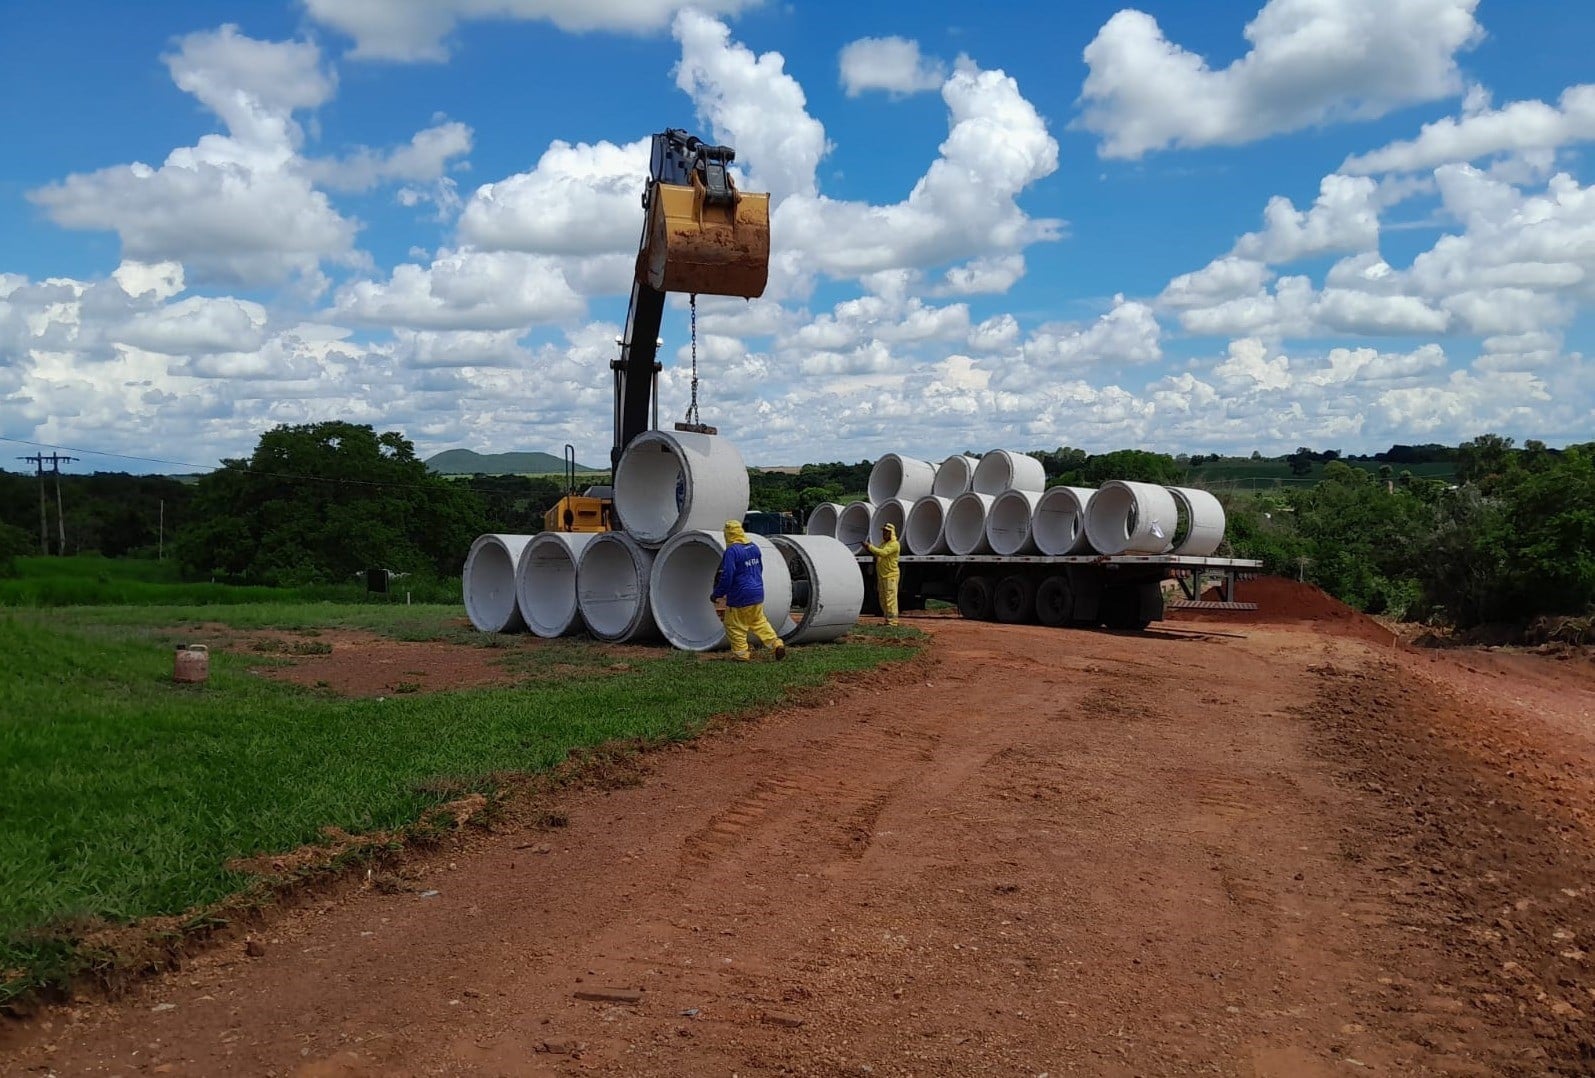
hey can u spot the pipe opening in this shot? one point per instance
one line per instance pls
(546, 584)
(891, 512)
(966, 524)
(924, 532)
(822, 521)
(612, 587)
(656, 489)
(853, 525)
(489, 583)
(683, 577)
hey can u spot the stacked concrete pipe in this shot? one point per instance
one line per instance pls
(853, 525)
(1002, 469)
(926, 530)
(896, 476)
(1131, 518)
(668, 482)
(954, 476)
(1058, 523)
(683, 576)
(488, 581)
(612, 577)
(835, 592)
(965, 526)
(822, 521)
(893, 511)
(1203, 519)
(545, 583)
(1009, 529)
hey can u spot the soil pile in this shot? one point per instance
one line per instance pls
(1281, 601)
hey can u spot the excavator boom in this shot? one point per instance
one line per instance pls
(701, 235)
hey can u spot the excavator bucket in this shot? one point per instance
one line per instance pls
(713, 249)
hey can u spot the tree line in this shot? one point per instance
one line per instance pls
(1512, 538)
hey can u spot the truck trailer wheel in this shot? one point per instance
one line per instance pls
(1055, 602)
(975, 598)
(1014, 601)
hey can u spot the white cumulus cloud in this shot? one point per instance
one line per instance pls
(893, 64)
(1310, 62)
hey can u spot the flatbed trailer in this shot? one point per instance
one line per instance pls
(1120, 592)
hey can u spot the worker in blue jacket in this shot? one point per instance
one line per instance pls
(740, 583)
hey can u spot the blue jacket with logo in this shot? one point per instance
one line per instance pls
(741, 576)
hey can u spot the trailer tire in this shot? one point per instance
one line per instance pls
(1014, 601)
(975, 598)
(1055, 602)
(1121, 610)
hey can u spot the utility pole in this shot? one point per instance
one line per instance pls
(160, 536)
(54, 460)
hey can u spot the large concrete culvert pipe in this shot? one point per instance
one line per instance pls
(902, 477)
(669, 482)
(822, 520)
(1058, 524)
(488, 581)
(965, 527)
(1008, 525)
(683, 576)
(926, 529)
(612, 588)
(545, 583)
(954, 476)
(1131, 518)
(1200, 528)
(893, 511)
(834, 591)
(853, 524)
(1002, 470)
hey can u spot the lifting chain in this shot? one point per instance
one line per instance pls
(692, 409)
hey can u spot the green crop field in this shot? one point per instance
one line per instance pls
(125, 795)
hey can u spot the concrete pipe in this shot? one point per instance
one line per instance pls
(612, 588)
(835, 588)
(674, 481)
(489, 583)
(822, 521)
(893, 511)
(896, 476)
(926, 530)
(1131, 518)
(683, 576)
(954, 476)
(1200, 528)
(1002, 470)
(965, 527)
(1058, 524)
(853, 524)
(1008, 526)
(545, 583)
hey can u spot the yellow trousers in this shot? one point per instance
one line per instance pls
(742, 620)
(886, 591)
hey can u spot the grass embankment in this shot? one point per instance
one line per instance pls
(125, 796)
(88, 579)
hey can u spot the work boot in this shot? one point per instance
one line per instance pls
(780, 652)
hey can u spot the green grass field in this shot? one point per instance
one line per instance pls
(88, 579)
(124, 795)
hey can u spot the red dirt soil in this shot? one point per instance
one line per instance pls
(1281, 601)
(1267, 851)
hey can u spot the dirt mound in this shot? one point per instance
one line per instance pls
(1281, 601)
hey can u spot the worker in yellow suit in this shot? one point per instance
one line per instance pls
(886, 571)
(740, 582)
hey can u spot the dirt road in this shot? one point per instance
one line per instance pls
(1236, 850)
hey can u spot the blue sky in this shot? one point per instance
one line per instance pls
(1183, 227)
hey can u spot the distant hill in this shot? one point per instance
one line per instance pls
(468, 462)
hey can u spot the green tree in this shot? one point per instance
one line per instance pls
(320, 502)
(1136, 465)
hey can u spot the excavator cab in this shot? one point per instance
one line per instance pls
(703, 235)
